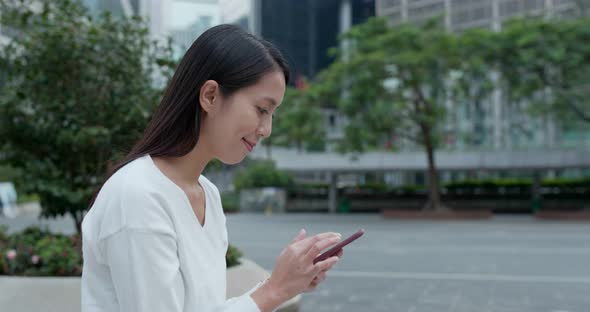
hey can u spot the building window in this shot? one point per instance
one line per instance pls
(332, 120)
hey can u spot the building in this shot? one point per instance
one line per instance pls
(500, 132)
(303, 30)
(181, 20)
(464, 14)
(119, 8)
(492, 125)
(186, 20)
(240, 12)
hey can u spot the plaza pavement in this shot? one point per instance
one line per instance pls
(506, 264)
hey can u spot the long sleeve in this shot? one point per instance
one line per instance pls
(145, 271)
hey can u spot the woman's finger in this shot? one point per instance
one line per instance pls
(320, 277)
(325, 265)
(306, 243)
(311, 288)
(299, 236)
(316, 282)
(314, 250)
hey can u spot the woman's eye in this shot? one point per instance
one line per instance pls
(262, 110)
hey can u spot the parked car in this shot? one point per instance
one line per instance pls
(7, 199)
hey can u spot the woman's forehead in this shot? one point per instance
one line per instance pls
(270, 88)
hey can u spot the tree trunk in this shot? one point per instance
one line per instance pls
(77, 222)
(268, 144)
(434, 201)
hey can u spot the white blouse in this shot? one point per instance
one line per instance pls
(144, 249)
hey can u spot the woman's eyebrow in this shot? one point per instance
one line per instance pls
(271, 100)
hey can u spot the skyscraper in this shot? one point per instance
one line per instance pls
(304, 30)
(464, 14)
(493, 125)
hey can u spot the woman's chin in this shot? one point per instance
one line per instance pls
(232, 160)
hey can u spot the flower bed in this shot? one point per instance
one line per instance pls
(38, 252)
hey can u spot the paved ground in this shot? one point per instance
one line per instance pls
(506, 264)
(501, 265)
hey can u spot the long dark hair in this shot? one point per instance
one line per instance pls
(232, 57)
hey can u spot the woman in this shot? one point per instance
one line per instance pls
(155, 237)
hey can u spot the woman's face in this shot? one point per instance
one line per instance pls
(234, 125)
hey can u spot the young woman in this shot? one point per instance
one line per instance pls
(155, 237)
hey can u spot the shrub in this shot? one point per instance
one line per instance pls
(262, 174)
(230, 201)
(38, 252)
(232, 256)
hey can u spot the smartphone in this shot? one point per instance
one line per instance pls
(334, 250)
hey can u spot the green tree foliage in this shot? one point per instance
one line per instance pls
(546, 63)
(299, 121)
(261, 173)
(394, 81)
(76, 93)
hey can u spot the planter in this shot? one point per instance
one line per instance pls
(437, 215)
(243, 277)
(572, 215)
(62, 294)
(48, 294)
(264, 199)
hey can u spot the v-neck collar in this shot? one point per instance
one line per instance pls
(186, 199)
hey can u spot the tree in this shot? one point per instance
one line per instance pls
(543, 62)
(77, 92)
(299, 122)
(394, 81)
(473, 80)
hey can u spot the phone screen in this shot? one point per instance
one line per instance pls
(334, 250)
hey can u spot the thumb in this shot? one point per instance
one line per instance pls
(299, 236)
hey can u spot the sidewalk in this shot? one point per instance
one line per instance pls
(47, 294)
(57, 294)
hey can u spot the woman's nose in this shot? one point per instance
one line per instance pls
(265, 128)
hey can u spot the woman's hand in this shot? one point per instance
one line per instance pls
(295, 271)
(321, 276)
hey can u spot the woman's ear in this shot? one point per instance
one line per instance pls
(208, 95)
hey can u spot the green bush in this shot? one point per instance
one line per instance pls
(316, 185)
(11, 174)
(232, 257)
(375, 187)
(262, 174)
(308, 191)
(409, 189)
(550, 188)
(25, 198)
(38, 252)
(584, 182)
(578, 189)
(230, 201)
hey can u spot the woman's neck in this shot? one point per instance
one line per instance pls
(185, 170)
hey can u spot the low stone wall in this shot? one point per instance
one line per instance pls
(263, 199)
(494, 205)
(62, 294)
(437, 215)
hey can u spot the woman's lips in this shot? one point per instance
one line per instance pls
(249, 145)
